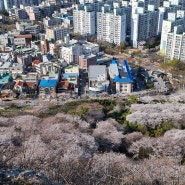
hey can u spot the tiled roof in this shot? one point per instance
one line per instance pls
(19, 83)
(36, 62)
(29, 84)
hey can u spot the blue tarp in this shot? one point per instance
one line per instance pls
(48, 56)
(48, 83)
(114, 62)
(67, 75)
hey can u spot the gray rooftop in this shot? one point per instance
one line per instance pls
(96, 70)
(114, 69)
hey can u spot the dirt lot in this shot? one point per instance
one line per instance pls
(146, 61)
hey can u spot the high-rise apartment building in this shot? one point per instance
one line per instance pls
(127, 10)
(175, 48)
(161, 14)
(144, 25)
(168, 26)
(8, 4)
(1, 4)
(111, 26)
(84, 20)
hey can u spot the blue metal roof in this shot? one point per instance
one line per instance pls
(125, 80)
(48, 83)
(114, 61)
(128, 69)
(67, 75)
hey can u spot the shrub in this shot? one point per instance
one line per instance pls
(132, 100)
(135, 127)
(144, 152)
(161, 129)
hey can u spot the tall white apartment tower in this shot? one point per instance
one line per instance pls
(8, 4)
(161, 13)
(168, 26)
(127, 9)
(143, 25)
(182, 55)
(175, 48)
(84, 20)
(111, 26)
(1, 4)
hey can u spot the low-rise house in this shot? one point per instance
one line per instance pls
(120, 77)
(27, 37)
(24, 59)
(44, 68)
(89, 48)
(4, 68)
(63, 86)
(4, 38)
(5, 57)
(6, 91)
(44, 44)
(6, 94)
(5, 78)
(2, 18)
(18, 87)
(31, 83)
(70, 77)
(86, 61)
(27, 84)
(35, 62)
(34, 12)
(52, 21)
(47, 88)
(98, 81)
(32, 77)
(30, 88)
(28, 27)
(72, 69)
(19, 42)
(16, 68)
